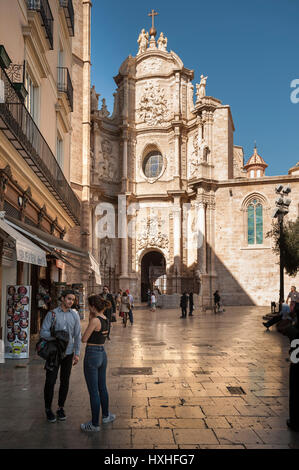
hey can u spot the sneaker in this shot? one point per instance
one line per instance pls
(108, 419)
(61, 414)
(89, 427)
(50, 416)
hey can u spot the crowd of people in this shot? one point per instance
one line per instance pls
(287, 323)
(63, 326)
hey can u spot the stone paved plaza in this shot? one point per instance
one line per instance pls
(183, 401)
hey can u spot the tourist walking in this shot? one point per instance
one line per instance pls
(63, 318)
(153, 302)
(109, 311)
(118, 300)
(125, 308)
(191, 304)
(293, 297)
(149, 297)
(131, 300)
(216, 301)
(184, 304)
(95, 363)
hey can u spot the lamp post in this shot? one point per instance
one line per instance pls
(282, 208)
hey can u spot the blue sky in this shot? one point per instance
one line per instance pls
(248, 49)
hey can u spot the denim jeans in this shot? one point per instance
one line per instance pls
(95, 365)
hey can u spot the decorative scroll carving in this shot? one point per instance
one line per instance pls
(152, 236)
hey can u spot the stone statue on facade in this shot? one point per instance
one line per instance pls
(201, 88)
(142, 41)
(94, 99)
(162, 43)
(104, 110)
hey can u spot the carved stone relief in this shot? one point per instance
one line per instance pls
(151, 235)
(107, 166)
(153, 108)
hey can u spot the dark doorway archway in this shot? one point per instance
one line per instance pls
(153, 273)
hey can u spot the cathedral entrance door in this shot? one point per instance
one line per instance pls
(153, 273)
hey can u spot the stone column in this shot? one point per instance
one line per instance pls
(123, 235)
(125, 162)
(177, 152)
(201, 227)
(177, 243)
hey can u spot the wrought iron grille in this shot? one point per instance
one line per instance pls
(67, 5)
(64, 84)
(43, 7)
(19, 127)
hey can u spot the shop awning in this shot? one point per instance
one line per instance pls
(27, 252)
(51, 244)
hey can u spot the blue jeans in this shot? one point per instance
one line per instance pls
(131, 315)
(95, 365)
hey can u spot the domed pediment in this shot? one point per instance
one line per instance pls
(158, 63)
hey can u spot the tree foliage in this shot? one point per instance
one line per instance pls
(289, 243)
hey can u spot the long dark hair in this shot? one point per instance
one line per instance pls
(98, 303)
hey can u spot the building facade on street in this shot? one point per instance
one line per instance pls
(41, 133)
(166, 156)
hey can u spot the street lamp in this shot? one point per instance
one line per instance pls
(282, 208)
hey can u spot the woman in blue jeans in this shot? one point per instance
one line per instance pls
(95, 363)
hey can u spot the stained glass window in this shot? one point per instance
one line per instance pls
(153, 164)
(255, 223)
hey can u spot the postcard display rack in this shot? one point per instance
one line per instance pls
(17, 322)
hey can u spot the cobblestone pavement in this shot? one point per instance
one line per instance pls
(183, 401)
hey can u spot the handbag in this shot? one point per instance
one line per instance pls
(121, 314)
(42, 347)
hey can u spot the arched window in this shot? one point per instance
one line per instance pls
(255, 222)
(153, 164)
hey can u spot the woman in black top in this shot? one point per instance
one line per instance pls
(95, 363)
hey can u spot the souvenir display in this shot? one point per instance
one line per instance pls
(18, 300)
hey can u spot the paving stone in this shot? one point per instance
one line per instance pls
(139, 423)
(236, 436)
(220, 422)
(195, 436)
(161, 412)
(182, 423)
(188, 412)
(152, 436)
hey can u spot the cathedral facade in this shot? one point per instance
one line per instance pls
(172, 203)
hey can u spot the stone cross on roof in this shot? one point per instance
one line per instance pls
(153, 31)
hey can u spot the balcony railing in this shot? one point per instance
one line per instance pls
(43, 7)
(20, 129)
(64, 84)
(67, 5)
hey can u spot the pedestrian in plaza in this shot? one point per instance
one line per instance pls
(66, 319)
(118, 300)
(293, 297)
(184, 304)
(284, 315)
(125, 308)
(153, 302)
(95, 363)
(191, 304)
(131, 300)
(216, 301)
(109, 297)
(149, 297)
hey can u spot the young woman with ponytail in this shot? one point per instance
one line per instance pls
(95, 362)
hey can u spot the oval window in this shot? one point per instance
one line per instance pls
(153, 164)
